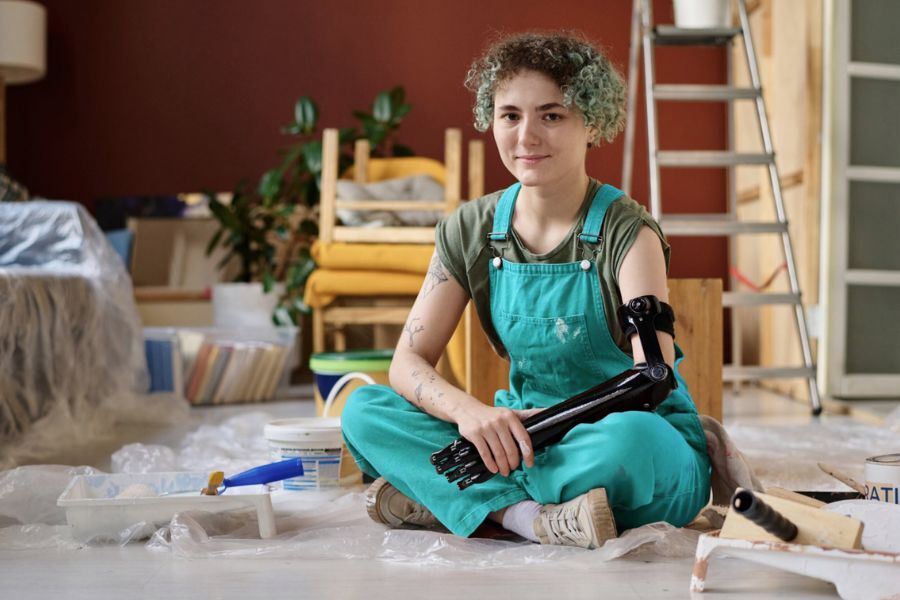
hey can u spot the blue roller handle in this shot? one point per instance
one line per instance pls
(277, 471)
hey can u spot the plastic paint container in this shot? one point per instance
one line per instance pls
(356, 368)
(317, 442)
(883, 478)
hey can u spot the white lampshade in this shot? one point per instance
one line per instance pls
(23, 34)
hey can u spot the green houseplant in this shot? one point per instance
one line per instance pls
(269, 228)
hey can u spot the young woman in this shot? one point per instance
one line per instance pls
(547, 262)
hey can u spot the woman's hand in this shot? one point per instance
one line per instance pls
(498, 434)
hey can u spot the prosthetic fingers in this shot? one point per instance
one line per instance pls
(642, 387)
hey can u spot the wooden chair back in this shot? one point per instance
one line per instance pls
(369, 169)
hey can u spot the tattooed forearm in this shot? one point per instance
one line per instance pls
(436, 275)
(412, 329)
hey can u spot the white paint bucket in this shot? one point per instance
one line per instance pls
(702, 13)
(315, 441)
(883, 478)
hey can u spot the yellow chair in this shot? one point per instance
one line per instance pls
(371, 275)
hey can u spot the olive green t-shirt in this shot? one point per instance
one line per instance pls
(462, 245)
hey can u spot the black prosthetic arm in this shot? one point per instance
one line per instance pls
(643, 387)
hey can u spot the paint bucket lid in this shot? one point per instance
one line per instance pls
(347, 362)
(302, 431)
(885, 459)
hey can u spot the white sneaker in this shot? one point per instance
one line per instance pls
(585, 521)
(386, 504)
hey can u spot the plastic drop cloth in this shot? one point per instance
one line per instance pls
(334, 524)
(71, 344)
(787, 455)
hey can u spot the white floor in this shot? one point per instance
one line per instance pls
(134, 572)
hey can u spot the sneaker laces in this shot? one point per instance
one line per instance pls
(564, 524)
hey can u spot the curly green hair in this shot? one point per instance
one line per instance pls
(585, 76)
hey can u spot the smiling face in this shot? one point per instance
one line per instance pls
(541, 141)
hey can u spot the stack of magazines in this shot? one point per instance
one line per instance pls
(216, 367)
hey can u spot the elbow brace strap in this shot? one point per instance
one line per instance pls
(643, 387)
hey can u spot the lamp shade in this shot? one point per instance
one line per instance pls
(23, 34)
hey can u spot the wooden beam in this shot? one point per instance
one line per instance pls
(791, 180)
(453, 163)
(486, 372)
(698, 332)
(330, 158)
(361, 152)
(413, 205)
(814, 525)
(476, 169)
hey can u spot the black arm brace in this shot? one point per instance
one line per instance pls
(643, 387)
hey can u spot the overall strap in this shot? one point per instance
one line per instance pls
(503, 213)
(593, 223)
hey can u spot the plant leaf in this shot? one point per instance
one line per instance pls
(268, 281)
(214, 241)
(270, 183)
(224, 215)
(347, 134)
(306, 113)
(312, 154)
(400, 112)
(401, 150)
(381, 107)
(398, 95)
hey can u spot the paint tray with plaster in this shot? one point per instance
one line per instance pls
(133, 505)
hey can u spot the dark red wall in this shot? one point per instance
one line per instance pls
(164, 96)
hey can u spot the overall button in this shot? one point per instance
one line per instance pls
(585, 265)
(498, 262)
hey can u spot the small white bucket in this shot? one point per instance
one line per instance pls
(315, 441)
(702, 13)
(883, 478)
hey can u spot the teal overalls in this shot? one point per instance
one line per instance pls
(551, 321)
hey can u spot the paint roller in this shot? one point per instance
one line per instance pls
(751, 507)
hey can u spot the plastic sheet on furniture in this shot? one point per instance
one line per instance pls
(71, 346)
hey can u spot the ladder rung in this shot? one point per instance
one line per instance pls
(747, 373)
(703, 92)
(715, 224)
(669, 35)
(711, 158)
(758, 299)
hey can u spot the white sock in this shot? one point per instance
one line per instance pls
(519, 518)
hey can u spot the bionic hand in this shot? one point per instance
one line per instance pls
(643, 387)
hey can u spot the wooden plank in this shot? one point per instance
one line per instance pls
(169, 294)
(410, 235)
(486, 372)
(788, 181)
(453, 162)
(408, 205)
(815, 526)
(318, 320)
(476, 169)
(812, 166)
(330, 150)
(698, 332)
(794, 496)
(367, 315)
(361, 153)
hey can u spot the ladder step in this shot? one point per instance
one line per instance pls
(758, 299)
(715, 224)
(711, 158)
(747, 373)
(704, 92)
(669, 35)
